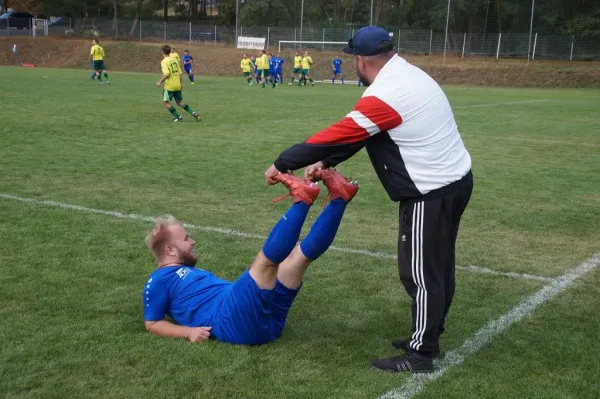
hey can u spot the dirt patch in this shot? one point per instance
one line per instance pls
(220, 60)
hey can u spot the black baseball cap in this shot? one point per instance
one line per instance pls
(370, 40)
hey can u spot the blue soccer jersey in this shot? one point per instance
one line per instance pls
(337, 64)
(190, 296)
(187, 58)
(279, 65)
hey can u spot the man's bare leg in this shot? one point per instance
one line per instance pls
(291, 270)
(264, 272)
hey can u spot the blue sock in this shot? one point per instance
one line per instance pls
(192, 78)
(342, 80)
(94, 75)
(285, 233)
(324, 229)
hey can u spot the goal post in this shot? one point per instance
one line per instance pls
(314, 45)
(39, 27)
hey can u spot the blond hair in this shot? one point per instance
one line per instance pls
(160, 235)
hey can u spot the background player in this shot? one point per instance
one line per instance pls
(175, 55)
(263, 67)
(279, 68)
(306, 64)
(97, 57)
(297, 67)
(247, 67)
(272, 70)
(188, 61)
(337, 68)
(252, 310)
(255, 69)
(171, 71)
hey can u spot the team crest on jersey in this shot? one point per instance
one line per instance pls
(182, 272)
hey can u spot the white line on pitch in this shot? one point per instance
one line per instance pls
(416, 382)
(237, 233)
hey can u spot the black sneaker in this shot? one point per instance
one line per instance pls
(403, 344)
(411, 361)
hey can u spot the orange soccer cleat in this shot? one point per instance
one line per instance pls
(338, 185)
(300, 189)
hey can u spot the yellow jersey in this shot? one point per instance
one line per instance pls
(170, 66)
(306, 62)
(246, 65)
(264, 61)
(176, 56)
(298, 61)
(97, 53)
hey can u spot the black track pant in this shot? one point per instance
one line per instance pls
(426, 255)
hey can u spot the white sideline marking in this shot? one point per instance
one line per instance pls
(237, 233)
(416, 382)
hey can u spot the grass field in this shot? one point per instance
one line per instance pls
(71, 278)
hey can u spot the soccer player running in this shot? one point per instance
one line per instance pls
(306, 64)
(247, 67)
(272, 70)
(337, 68)
(171, 75)
(252, 310)
(255, 69)
(279, 68)
(297, 67)
(263, 65)
(97, 57)
(188, 61)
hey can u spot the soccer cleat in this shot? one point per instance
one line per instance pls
(108, 82)
(300, 189)
(178, 119)
(196, 116)
(192, 83)
(338, 185)
(403, 344)
(411, 361)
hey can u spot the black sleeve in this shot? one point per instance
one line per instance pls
(304, 154)
(337, 159)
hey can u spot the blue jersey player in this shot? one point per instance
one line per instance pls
(273, 70)
(337, 68)
(253, 309)
(187, 65)
(279, 68)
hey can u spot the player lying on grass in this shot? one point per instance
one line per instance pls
(253, 309)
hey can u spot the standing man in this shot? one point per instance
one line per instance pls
(171, 75)
(297, 67)
(279, 68)
(405, 121)
(188, 61)
(97, 57)
(175, 55)
(306, 64)
(337, 68)
(247, 67)
(272, 70)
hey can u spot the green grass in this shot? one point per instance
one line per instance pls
(70, 285)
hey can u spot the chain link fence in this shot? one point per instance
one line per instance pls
(408, 41)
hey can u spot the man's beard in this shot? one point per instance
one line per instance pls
(362, 79)
(189, 258)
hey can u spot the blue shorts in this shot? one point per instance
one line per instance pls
(249, 315)
(187, 68)
(337, 71)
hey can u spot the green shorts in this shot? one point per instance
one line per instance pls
(99, 65)
(305, 72)
(263, 73)
(246, 74)
(297, 70)
(169, 95)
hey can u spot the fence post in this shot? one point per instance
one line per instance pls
(534, 45)
(190, 38)
(8, 26)
(498, 49)
(352, 32)
(398, 41)
(464, 42)
(216, 36)
(268, 36)
(165, 31)
(430, 40)
(140, 21)
(117, 28)
(323, 39)
(70, 26)
(295, 37)
(572, 45)
(241, 30)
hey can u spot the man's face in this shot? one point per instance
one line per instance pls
(182, 246)
(359, 66)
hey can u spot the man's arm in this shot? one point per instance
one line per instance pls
(164, 328)
(342, 140)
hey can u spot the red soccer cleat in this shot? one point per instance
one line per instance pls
(338, 185)
(301, 190)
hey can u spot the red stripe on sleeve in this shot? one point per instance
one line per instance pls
(379, 112)
(344, 132)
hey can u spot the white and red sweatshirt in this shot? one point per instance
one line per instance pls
(405, 121)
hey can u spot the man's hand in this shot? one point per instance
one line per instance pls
(197, 334)
(309, 172)
(270, 174)
(158, 83)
